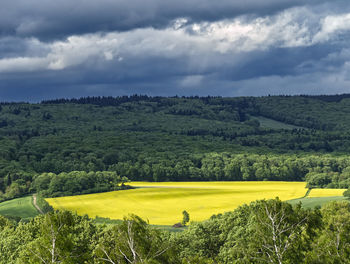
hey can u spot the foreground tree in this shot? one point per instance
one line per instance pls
(333, 242)
(133, 241)
(9, 241)
(266, 231)
(269, 231)
(185, 217)
(201, 242)
(277, 232)
(282, 232)
(62, 237)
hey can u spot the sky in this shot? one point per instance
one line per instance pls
(63, 49)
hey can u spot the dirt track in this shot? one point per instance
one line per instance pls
(35, 204)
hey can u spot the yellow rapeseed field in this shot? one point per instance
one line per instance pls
(326, 192)
(163, 203)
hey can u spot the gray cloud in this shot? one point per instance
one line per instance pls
(58, 19)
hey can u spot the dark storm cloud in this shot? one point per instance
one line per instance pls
(10, 47)
(282, 62)
(226, 48)
(18, 47)
(56, 19)
(164, 76)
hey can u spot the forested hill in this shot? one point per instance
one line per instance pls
(177, 138)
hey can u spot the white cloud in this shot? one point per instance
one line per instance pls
(23, 64)
(332, 25)
(203, 45)
(179, 23)
(287, 29)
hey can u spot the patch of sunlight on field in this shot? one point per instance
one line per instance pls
(163, 203)
(326, 192)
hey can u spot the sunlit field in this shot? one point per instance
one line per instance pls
(21, 207)
(326, 192)
(163, 203)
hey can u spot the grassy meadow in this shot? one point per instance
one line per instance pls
(312, 202)
(162, 203)
(20, 207)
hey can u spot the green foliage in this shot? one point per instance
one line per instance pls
(77, 182)
(134, 241)
(276, 233)
(332, 243)
(266, 231)
(263, 232)
(10, 242)
(185, 217)
(60, 237)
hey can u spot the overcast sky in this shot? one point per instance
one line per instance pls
(54, 49)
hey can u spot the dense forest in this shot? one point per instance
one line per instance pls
(263, 232)
(288, 138)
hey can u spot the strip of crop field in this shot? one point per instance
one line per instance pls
(163, 203)
(326, 192)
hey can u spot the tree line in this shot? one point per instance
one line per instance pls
(62, 184)
(265, 231)
(323, 171)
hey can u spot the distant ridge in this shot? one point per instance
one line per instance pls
(117, 100)
(328, 98)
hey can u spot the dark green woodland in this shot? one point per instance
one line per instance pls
(176, 139)
(52, 146)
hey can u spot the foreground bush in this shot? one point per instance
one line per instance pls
(266, 231)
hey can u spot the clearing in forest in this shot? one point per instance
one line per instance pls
(274, 124)
(162, 203)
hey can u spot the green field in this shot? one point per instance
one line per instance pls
(163, 203)
(312, 202)
(20, 207)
